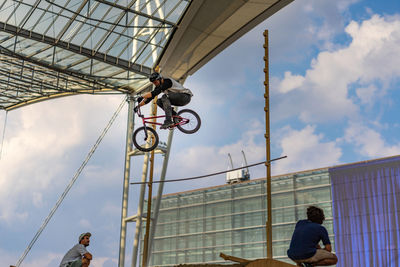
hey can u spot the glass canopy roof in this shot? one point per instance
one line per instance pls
(52, 48)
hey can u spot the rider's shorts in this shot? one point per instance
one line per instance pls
(321, 254)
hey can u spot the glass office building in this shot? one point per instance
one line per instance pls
(196, 226)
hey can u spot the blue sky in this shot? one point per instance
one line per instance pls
(334, 82)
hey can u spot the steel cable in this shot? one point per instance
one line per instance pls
(73, 180)
(212, 174)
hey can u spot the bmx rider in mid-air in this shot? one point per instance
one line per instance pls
(174, 94)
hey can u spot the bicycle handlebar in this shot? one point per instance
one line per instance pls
(138, 111)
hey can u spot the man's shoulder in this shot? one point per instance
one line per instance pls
(309, 223)
(302, 222)
(168, 82)
(79, 245)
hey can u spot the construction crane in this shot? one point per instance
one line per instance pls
(236, 176)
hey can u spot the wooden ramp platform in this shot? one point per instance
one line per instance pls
(242, 262)
(269, 263)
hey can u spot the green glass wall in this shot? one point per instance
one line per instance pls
(196, 226)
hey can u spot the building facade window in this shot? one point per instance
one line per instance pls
(196, 226)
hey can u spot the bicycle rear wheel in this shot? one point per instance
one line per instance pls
(189, 121)
(145, 139)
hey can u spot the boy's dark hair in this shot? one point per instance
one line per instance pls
(315, 214)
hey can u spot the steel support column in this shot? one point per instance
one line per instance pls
(140, 210)
(125, 189)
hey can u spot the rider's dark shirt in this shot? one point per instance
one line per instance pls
(159, 89)
(305, 238)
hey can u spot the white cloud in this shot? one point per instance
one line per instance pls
(39, 148)
(305, 149)
(344, 4)
(290, 82)
(254, 150)
(201, 160)
(110, 209)
(366, 94)
(375, 41)
(311, 23)
(324, 93)
(85, 223)
(369, 142)
(37, 199)
(108, 176)
(101, 261)
(48, 260)
(7, 258)
(306, 24)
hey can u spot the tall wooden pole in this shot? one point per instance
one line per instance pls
(268, 149)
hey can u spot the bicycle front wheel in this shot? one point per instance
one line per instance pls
(145, 139)
(189, 121)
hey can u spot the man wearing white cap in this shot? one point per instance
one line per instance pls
(78, 256)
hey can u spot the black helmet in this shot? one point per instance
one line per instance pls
(155, 76)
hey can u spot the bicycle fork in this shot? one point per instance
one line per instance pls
(145, 128)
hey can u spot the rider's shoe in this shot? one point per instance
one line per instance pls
(167, 124)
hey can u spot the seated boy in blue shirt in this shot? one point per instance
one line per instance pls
(304, 248)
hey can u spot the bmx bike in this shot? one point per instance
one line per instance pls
(145, 138)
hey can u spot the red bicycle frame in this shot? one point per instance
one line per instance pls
(146, 120)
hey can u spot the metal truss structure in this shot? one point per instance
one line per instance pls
(53, 48)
